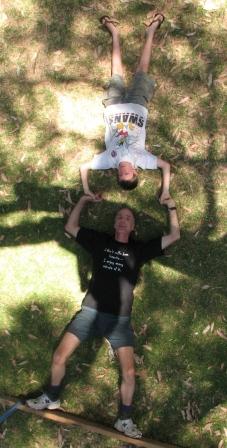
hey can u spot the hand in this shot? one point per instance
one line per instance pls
(91, 197)
(164, 197)
(90, 193)
(169, 202)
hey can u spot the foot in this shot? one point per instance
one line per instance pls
(156, 20)
(109, 23)
(43, 402)
(128, 428)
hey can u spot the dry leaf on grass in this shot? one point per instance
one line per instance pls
(191, 34)
(208, 428)
(210, 80)
(159, 376)
(191, 411)
(138, 359)
(22, 363)
(205, 287)
(147, 347)
(68, 198)
(143, 330)
(184, 100)
(61, 438)
(3, 434)
(3, 177)
(221, 334)
(32, 336)
(205, 331)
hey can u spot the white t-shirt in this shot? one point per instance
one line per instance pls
(125, 138)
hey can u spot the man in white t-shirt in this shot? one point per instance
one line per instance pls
(125, 118)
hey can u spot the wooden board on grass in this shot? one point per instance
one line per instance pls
(65, 418)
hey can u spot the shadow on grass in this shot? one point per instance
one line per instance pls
(200, 259)
(184, 353)
(33, 332)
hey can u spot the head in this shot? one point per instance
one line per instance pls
(127, 175)
(124, 221)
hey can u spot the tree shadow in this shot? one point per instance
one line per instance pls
(200, 258)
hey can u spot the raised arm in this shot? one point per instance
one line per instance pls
(72, 226)
(165, 167)
(84, 169)
(174, 229)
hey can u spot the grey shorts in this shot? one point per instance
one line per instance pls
(140, 92)
(90, 323)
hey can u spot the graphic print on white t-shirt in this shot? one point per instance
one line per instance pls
(125, 138)
(125, 127)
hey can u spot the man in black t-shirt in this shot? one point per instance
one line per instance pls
(107, 305)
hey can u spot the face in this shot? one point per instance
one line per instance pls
(124, 221)
(125, 171)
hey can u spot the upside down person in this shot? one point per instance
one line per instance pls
(125, 118)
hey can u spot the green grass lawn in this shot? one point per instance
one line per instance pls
(55, 62)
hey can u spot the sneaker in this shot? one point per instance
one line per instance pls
(43, 402)
(128, 428)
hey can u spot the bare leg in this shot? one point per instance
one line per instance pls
(126, 359)
(68, 344)
(147, 49)
(116, 62)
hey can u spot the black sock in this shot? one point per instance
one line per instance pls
(53, 392)
(125, 411)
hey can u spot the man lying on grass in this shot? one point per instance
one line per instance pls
(125, 119)
(106, 308)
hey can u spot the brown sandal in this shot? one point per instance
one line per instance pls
(107, 19)
(155, 19)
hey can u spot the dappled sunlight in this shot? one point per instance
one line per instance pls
(182, 52)
(80, 113)
(55, 64)
(18, 217)
(168, 274)
(46, 266)
(212, 5)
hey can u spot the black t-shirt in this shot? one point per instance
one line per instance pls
(115, 270)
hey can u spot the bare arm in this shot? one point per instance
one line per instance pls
(84, 170)
(165, 167)
(72, 226)
(174, 229)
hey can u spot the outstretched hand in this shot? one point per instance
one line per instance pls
(164, 197)
(168, 202)
(91, 197)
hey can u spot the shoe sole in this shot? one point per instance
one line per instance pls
(50, 407)
(128, 435)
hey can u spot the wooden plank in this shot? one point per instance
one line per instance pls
(65, 418)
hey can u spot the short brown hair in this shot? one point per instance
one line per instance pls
(129, 184)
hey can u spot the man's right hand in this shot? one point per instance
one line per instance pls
(92, 197)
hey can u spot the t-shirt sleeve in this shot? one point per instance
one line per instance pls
(88, 239)
(151, 249)
(101, 161)
(147, 161)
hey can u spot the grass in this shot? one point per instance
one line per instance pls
(54, 65)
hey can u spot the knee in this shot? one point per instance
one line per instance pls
(129, 375)
(59, 358)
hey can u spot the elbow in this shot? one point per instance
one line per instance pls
(68, 228)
